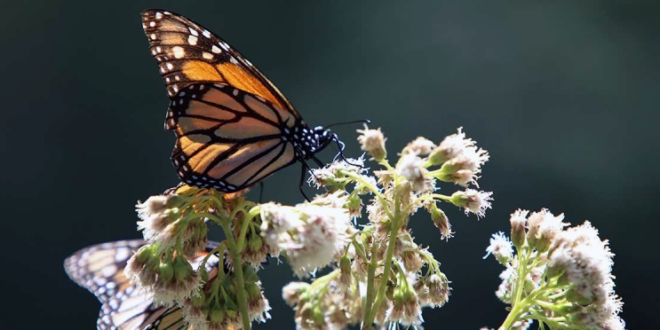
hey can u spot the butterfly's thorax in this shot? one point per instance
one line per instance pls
(307, 141)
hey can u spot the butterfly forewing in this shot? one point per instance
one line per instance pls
(100, 269)
(188, 53)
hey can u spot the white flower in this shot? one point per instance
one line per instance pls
(473, 201)
(373, 142)
(500, 247)
(411, 167)
(421, 146)
(330, 173)
(543, 227)
(308, 234)
(155, 214)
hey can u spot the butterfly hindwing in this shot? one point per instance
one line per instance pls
(188, 53)
(100, 269)
(228, 139)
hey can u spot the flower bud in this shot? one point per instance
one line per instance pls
(412, 261)
(345, 276)
(518, 221)
(165, 271)
(373, 142)
(441, 222)
(217, 315)
(452, 146)
(354, 205)
(292, 292)
(438, 290)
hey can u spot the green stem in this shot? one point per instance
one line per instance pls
(516, 304)
(238, 270)
(371, 273)
(387, 264)
(247, 220)
(512, 317)
(374, 190)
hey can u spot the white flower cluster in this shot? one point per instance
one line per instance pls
(568, 270)
(309, 235)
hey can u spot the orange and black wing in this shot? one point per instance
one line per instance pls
(188, 53)
(100, 269)
(228, 139)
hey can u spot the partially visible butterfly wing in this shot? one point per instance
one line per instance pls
(228, 139)
(100, 269)
(188, 53)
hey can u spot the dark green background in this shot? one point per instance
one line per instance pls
(564, 95)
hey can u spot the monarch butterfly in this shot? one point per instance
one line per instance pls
(100, 269)
(233, 126)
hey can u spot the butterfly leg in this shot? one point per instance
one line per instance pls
(302, 180)
(341, 146)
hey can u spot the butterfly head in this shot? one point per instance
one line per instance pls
(312, 140)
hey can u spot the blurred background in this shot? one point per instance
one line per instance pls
(564, 96)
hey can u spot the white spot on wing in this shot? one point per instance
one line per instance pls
(192, 40)
(216, 50)
(178, 52)
(109, 270)
(193, 31)
(152, 23)
(159, 15)
(122, 254)
(170, 66)
(207, 56)
(206, 33)
(154, 36)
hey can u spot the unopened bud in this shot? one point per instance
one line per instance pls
(518, 221)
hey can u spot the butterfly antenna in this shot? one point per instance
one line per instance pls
(364, 121)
